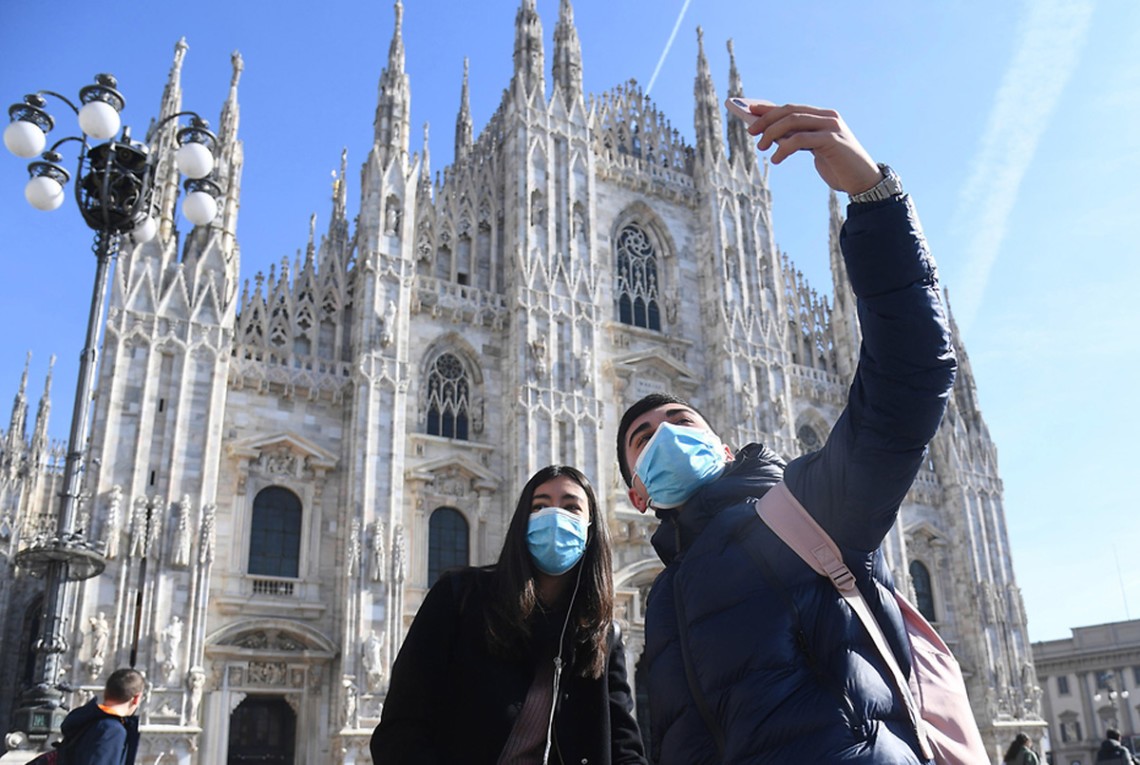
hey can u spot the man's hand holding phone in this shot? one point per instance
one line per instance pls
(840, 159)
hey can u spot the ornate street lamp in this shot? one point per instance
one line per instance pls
(114, 192)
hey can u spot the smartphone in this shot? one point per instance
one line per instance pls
(739, 107)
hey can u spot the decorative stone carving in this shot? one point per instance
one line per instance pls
(399, 556)
(266, 673)
(392, 217)
(171, 639)
(268, 640)
(206, 536)
(111, 525)
(372, 659)
(99, 632)
(349, 704)
(182, 538)
(353, 548)
(538, 353)
(377, 550)
(137, 545)
(388, 324)
(280, 462)
(195, 683)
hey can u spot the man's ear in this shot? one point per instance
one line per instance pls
(638, 501)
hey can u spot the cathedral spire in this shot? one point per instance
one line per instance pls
(163, 145)
(43, 413)
(740, 147)
(528, 57)
(230, 152)
(706, 118)
(340, 189)
(393, 108)
(965, 388)
(424, 189)
(16, 430)
(844, 314)
(567, 69)
(463, 127)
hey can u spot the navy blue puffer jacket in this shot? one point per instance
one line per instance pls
(785, 670)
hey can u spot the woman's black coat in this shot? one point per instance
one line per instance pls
(452, 701)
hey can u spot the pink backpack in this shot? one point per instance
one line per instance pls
(935, 695)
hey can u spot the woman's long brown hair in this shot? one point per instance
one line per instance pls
(514, 598)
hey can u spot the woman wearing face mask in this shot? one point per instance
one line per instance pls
(519, 663)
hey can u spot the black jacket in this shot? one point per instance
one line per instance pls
(1114, 752)
(452, 701)
(93, 737)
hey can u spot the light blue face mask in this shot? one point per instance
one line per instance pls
(677, 461)
(556, 539)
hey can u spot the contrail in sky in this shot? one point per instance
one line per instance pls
(668, 45)
(1047, 50)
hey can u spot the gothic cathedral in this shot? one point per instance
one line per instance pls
(278, 472)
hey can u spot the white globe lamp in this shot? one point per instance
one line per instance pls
(99, 120)
(194, 160)
(199, 207)
(24, 139)
(44, 193)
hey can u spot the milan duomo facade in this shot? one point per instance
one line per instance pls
(296, 459)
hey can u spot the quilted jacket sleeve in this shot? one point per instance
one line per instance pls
(855, 484)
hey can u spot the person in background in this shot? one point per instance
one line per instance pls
(107, 732)
(1111, 750)
(519, 663)
(1019, 752)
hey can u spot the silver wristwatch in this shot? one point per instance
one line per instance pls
(889, 186)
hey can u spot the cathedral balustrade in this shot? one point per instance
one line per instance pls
(641, 175)
(473, 304)
(260, 368)
(817, 384)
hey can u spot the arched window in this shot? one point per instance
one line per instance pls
(447, 541)
(447, 396)
(275, 533)
(809, 439)
(637, 279)
(923, 592)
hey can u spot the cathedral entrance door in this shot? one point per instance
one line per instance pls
(263, 730)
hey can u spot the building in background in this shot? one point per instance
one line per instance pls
(1091, 683)
(296, 459)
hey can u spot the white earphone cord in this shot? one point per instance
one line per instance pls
(558, 667)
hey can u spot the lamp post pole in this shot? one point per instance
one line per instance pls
(114, 192)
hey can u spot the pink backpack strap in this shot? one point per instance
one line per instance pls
(791, 522)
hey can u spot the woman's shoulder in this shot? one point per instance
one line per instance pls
(461, 583)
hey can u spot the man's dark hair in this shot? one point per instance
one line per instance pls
(123, 685)
(1113, 734)
(652, 401)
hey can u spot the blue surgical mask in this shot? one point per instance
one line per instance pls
(556, 539)
(677, 461)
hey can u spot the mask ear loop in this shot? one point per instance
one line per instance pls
(558, 664)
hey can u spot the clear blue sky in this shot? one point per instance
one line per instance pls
(1013, 124)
